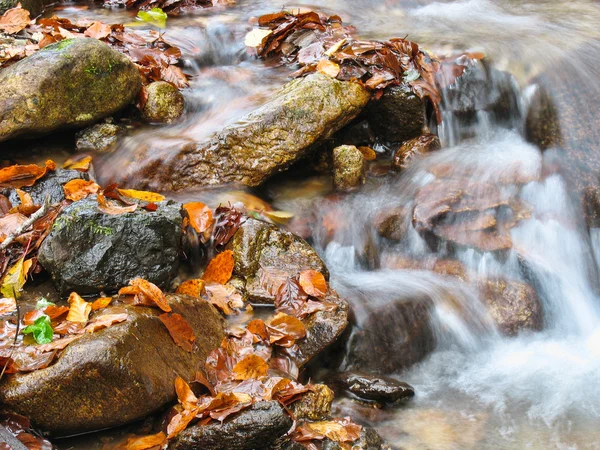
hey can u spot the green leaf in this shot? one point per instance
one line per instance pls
(155, 16)
(43, 303)
(411, 75)
(41, 329)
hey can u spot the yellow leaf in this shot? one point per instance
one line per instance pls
(14, 280)
(79, 309)
(335, 47)
(280, 217)
(328, 68)
(82, 164)
(147, 196)
(256, 37)
(252, 366)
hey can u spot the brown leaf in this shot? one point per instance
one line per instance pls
(101, 302)
(14, 20)
(184, 392)
(20, 176)
(146, 442)
(7, 305)
(251, 366)
(79, 189)
(179, 329)
(55, 312)
(193, 288)
(112, 208)
(152, 292)
(313, 283)
(337, 430)
(290, 297)
(224, 297)
(79, 309)
(368, 153)
(58, 344)
(285, 329)
(175, 76)
(180, 421)
(220, 268)
(105, 321)
(98, 30)
(10, 223)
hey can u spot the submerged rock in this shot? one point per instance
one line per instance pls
(35, 7)
(50, 185)
(514, 306)
(399, 115)
(89, 251)
(116, 375)
(101, 138)
(369, 440)
(371, 387)
(421, 145)
(255, 428)
(164, 103)
(259, 245)
(72, 83)
(265, 142)
(314, 405)
(348, 167)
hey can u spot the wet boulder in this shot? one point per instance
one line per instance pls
(413, 148)
(89, 251)
(116, 375)
(164, 103)
(101, 138)
(258, 245)
(369, 440)
(35, 7)
(513, 305)
(371, 387)
(349, 167)
(50, 185)
(399, 115)
(70, 84)
(315, 404)
(254, 428)
(266, 141)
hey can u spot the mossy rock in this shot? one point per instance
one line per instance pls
(164, 103)
(70, 84)
(117, 375)
(349, 167)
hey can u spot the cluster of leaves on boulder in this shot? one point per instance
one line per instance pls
(154, 56)
(317, 42)
(171, 7)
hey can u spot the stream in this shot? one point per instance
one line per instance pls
(479, 389)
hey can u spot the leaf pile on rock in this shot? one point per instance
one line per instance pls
(321, 43)
(156, 59)
(171, 7)
(20, 427)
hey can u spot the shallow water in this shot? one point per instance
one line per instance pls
(478, 390)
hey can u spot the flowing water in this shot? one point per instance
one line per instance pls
(478, 389)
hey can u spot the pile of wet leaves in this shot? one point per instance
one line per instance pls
(171, 7)
(155, 57)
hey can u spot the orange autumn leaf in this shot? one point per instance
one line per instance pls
(146, 196)
(151, 292)
(14, 20)
(105, 321)
(338, 430)
(313, 283)
(180, 421)
(129, 290)
(193, 288)
(146, 442)
(368, 153)
(113, 208)
(220, 268)
(200, 216)
(284, 330)
(58, 344)
(224, 296)
(98, 30)
(79, 189)
(101, 302)
(20, 176)
(328, 67)
(79, 309)
(184, 392)
(252, 366)
(80, 164)
(179, 329)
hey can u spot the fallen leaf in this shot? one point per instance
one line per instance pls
(80, 164)
(7, 305)
(328, 67)
(200, 217)
(146, 442)
(101, 302)
(41, 330)
(155, 16)
(280, 217)
(179, 329)
(224, 297)
(79, 189)
(251, 366)
(256, 38)
(14, 20)
(313, 283)
(284, 330)
(15, 278)
(290, 297)
(152, 292)
(21, 176)
(368, 153)
(79, 309)
(58, 344)
(105, 321)
(98, 30)
(337, 430)
(112, 208)
(220, 268)
(147, 196)
(193, 288)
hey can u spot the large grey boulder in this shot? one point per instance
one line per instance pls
(50, 185)
(266, 141)
(116, 375)
(89, 251)
(72, 83)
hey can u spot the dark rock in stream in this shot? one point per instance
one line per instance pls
(89, 251)
(371, 387)
(70, 84)
(369, 440)
(267, 141)
(255, 428)
(399, 115)
(117, 375)
(412, 148)
(101, 138)
(51, 185)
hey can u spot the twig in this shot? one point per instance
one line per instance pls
(35, 216)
